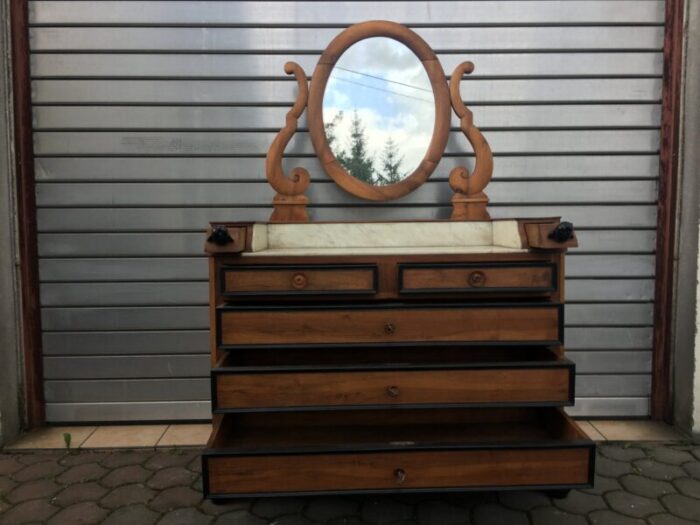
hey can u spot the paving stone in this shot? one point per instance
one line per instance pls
(82, 473)
(668, 519)
(578, 502)
(441, 513)
(175, 498)
(239, 517)
(347, 520)
(127, 495)
(292, 519)
(554, 516)
(469, 500)
(87, 512)
(44, 469)
(493, 514)
(608, 517)
(126, 458)
(324, 509)
(89, 491)
(695, 451)
(27, 512)
(682, 506)
(185, 517)
(621, 452)
(195, 465)
(273, 507)
(81, 457)
(197, 484)
(171, 458)
(688, 486)
(612, 468)
(647, 487)
(39, 456)
(6, 485)
(126, 475)
(601, 485)
(384, 510)
(39, 488)
(656, 470)
(632, 504)
(671, 456)
(9, 465)
(132, 515)
(215, 509)
(171, 477)
(693, 468)
(523, 500)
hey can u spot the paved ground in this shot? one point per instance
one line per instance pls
(637, 483)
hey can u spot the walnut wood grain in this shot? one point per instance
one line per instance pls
(476, 278)
(494, 385)
(441, 128)
(352, 326)
(463, 468)
(301, 279)
(290, 202)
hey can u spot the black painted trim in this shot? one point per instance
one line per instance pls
(296, 267)
(475, 266)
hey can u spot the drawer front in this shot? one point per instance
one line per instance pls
(236, 281)
(298, 325)
(544, 385)
(478, 278)
(490, 468)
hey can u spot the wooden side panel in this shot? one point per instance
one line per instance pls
(392, 387)
(407, 470)
(340, 326)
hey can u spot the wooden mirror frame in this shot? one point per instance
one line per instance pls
(469, 201)
(441, 126)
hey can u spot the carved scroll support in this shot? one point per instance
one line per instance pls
(469, 201)
(290, 202)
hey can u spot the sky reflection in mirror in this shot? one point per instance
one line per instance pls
(379, 111)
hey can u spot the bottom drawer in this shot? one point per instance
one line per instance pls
(388, 451)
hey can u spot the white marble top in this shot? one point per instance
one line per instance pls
(368, 238)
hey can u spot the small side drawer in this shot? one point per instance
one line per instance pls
(515, 277)
(275, 280)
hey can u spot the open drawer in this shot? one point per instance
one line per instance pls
(401, 377)
(396, 450)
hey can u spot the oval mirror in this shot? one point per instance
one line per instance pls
(379, 110)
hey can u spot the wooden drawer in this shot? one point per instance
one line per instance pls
(404, 379)
(521, 323)
(390, 451)
(275, 280)
(506, 277)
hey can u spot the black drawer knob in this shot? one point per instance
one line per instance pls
(220, 236)
(563, 232)
(399, 476)
(392, 391)
(389, 328)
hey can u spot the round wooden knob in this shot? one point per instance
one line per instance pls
(477, 279)
(399, 476)
(392, 391)
(299, 281)
(389, 328)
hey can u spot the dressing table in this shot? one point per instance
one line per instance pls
(369, 357)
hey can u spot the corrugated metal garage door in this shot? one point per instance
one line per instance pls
(153, 117)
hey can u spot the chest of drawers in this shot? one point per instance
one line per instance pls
(374, 357)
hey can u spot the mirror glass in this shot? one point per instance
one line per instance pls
(379, 111)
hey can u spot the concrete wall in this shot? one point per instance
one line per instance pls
(10, 366)
(687, 313)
